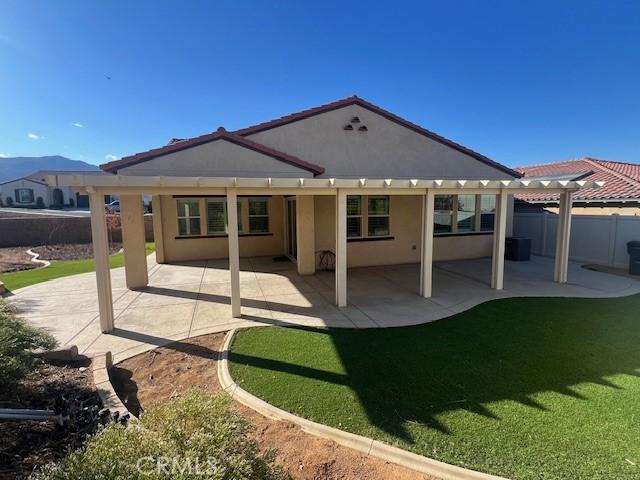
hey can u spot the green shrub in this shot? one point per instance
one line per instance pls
(9, 202)
(197, 429)
(17, 339)
(39, 202)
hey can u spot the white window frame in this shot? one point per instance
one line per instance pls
(250, 216)
(454, 218)
(29, 193)
(223, 200)
(359, 197)
(364, 216)
(379, 215)
(188, 217)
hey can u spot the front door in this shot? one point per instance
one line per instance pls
(292, 240)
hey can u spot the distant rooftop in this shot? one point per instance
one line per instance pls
(622, 180)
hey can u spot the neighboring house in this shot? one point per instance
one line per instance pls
(348, 178)
(620, 194)
(34, 193)
(25, 192)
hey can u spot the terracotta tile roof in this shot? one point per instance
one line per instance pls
(622, 180)
(177, 144)
(220, 134)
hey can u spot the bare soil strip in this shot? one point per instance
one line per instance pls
(165, 372)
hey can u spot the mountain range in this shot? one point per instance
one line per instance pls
(16, 167)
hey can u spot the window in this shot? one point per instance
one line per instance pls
(443, 213)
(354, 216)
(487, 212)
(258, 215)
(216, 216)
(464, 213)
(466, 218)
(378, 216)
(217, 223)
(24, 195)
(188, 216)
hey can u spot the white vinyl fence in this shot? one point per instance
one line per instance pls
(599, 239)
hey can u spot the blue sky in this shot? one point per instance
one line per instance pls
(521, 82)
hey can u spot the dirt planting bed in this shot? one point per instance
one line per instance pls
(71, 251)
(27, 445)
(15, 259)
(163, 373)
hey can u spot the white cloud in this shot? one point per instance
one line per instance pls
(110, 157)
(4, 155)
(76, 124)
(34, 136)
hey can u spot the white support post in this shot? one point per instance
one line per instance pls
(133, 241)
(101, 256)
(426, 257)
(341, 248)
(234, 251)
(563, 238)
(499, 234)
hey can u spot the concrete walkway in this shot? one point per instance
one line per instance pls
(193, 299)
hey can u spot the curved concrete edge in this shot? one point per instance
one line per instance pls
(36, 259)
(100, 365)
(365, 445)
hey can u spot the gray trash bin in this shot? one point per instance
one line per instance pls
(517, 249)
(633, 248)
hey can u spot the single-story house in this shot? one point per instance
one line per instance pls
(341, 185)
(32, 192)
(620, 195)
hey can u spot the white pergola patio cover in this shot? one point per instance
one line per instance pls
(131, 187)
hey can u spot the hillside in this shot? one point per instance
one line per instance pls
(16, 167)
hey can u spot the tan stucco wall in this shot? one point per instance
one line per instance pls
(176, 250)
(405, 226)
(216, 159)
(385, 150)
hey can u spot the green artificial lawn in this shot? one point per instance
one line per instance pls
(60, 268)
(523, 388)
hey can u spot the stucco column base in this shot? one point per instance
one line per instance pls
(305, 234)
(133, 241)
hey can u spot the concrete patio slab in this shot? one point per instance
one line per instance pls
(193, 298)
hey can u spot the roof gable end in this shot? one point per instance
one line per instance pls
(220, 134)
(355, 100)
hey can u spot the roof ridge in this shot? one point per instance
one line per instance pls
(616, 174)
(296, 115)
(612, 161)
(557, 162)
